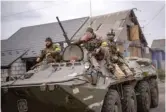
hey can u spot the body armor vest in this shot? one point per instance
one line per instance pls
(92, 44)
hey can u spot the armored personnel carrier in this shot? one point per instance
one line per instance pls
(75, 86)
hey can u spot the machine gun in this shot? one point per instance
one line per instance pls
(64, 33)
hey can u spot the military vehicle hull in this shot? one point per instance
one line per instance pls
(52, 98)
(58, 97)
(65, 87)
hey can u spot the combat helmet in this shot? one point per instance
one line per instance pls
(111, 35)
(89, 29)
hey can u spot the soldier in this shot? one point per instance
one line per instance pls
(90, 43)
(51, 52)
(110, 44)
(116, 56)
(95, 51)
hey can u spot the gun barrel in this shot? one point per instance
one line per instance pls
(64, 33)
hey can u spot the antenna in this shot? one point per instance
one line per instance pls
(90, 8)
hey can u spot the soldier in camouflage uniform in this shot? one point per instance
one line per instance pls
(93, 47)
(108, 43)
(51, 52)
(116, 55)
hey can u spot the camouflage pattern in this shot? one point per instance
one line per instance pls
(95, 48)
(90, 57)
(92, 44)
(92, 47)
(52, 53)
(115, 56)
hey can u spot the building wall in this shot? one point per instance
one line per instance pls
(4, 74)
(148, 55)
(133, 51)
(157, 55)
(163, 65)
(121, 49)
(17, 68)
(163, 55)
(158, 58)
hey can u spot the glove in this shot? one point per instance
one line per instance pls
(38, 59)
(97, 50)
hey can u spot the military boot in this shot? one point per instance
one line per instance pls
(118, 72)
(126, 70)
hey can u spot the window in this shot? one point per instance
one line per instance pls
(133, 32)
(128, 32)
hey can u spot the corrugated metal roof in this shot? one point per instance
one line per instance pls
(8, 57)
(32, 36)
(104, 23)
(33, 52)
(158, 44)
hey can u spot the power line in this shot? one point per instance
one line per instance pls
(154, 16)
(29, 11)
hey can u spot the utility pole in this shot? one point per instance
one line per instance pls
(90, 8)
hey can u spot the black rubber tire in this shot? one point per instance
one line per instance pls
(154, 93)
(129, 102)
(144, 98)
(111, 100)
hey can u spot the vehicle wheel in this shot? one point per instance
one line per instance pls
(129, 103)
(154, 92)
(112, 102)
(143, 99)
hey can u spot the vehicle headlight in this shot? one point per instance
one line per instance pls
(87, 65)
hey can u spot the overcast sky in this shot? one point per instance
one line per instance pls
(15, 15)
